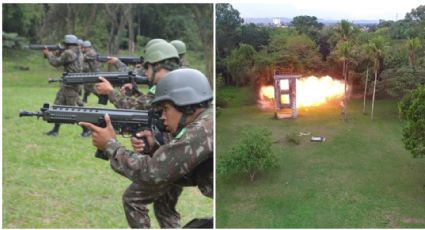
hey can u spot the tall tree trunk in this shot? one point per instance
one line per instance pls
(117, 18)
(139, 22)
(203, 19)
(91, 20)
(130, 31)
(344, 71)
(373, 97)
(71, 19)
(365, 91)
(114, 22)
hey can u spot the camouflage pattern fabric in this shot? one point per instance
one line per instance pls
(156, 178)
(121, 67)
(68, 96)
(137, 197)
(184, 63)
(71, 60)
(130, 102)
(90, 65)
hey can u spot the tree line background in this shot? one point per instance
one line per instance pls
(393, 51)
(384, 60)
(112, 27)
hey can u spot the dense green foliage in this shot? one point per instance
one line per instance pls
(412, 109)
(251, 154)
(115, 27)
(308, 25)
(11, 40)
(309, 47)
(240, 64)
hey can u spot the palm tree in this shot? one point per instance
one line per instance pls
(412, 44)
(365, 90)
(368, 56)
(377, 46)
(344, 30)
(343, 52)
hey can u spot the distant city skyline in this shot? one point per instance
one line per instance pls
(328, 9)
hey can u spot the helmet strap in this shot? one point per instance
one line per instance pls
(167, 64)
(155, 69)
(181, 124)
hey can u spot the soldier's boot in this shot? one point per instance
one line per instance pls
(86, 132)
(54, 132)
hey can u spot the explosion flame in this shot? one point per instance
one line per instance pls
(311, 91)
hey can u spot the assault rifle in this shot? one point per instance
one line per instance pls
(115, 78)
(126, 60)
(49, 47)
(124, 121)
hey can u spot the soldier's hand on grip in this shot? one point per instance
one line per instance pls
(103, 87)
(138, 143)
(112, 60)
(100, 136)
(45, 52)
(127, 87)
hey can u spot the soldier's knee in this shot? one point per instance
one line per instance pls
(125, 197)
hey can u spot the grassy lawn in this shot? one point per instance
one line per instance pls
(55, 182)
(361, 177)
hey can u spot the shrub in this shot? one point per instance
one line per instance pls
(13, 40)
(412, 109)
(251, 154)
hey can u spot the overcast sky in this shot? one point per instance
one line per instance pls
(328, 9)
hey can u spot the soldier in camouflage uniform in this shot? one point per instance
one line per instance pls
(72, 61)
(187, 159)
(160, 58)
(181, 49)
(90, 64)
(122, 67)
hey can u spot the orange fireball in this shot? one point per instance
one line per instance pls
(311, 91)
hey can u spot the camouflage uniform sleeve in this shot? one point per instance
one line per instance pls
(121, 66)
(129, 102)
(86, 66)
(169, 163)
(66, 57)
(113, 97)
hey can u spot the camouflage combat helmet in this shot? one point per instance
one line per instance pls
(183, 87)
(70, 39)
(86, 44)
(80, 42)
(180, 46)
(159, 52)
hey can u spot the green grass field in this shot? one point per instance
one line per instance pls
(55, 182)
(360, 177)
